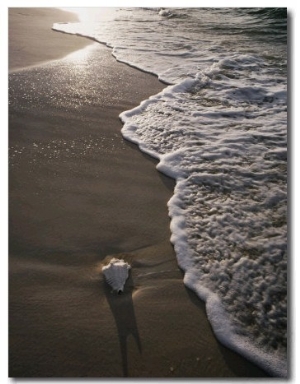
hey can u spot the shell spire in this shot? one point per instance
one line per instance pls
(116, 274)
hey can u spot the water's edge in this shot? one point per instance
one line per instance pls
(215, 312)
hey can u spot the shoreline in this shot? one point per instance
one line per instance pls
(70, 212)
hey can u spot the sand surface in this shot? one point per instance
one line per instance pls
(78, 194)
(31, 39)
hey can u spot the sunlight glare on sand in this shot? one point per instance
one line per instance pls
(80, 56)
(89, 18)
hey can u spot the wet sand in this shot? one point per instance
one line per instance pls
(37, 42)
(79, 193)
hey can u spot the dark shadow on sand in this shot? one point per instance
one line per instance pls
(122, 309)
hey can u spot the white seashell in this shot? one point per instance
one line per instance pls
(116, 274)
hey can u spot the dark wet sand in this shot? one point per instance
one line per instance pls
(78, 193)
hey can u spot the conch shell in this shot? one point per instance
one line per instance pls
(116, 274)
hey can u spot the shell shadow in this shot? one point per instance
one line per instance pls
(123, 311)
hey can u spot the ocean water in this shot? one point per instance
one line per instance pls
(220, 129)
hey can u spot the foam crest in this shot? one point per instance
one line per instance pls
(229, 206)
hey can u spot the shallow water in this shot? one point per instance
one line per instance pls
(220, 129)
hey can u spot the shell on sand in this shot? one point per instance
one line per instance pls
(116, 274)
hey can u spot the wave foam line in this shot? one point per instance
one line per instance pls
(216, 313)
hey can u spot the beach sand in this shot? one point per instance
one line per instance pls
(37, 42)
(79, 193)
